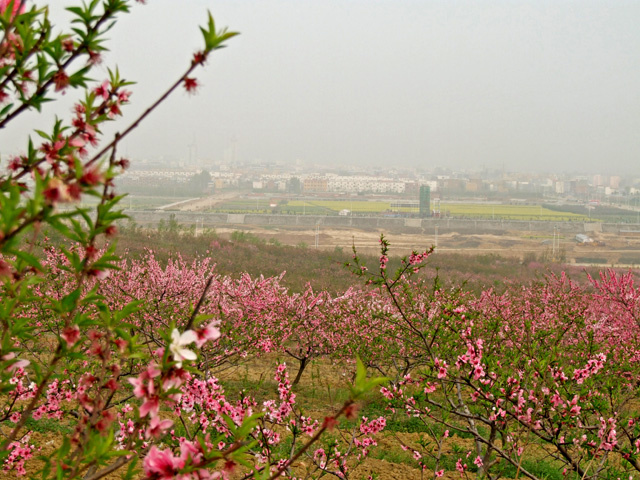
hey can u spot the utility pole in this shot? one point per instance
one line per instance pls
(435, 250)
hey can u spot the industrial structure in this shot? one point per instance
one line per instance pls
(425, 201)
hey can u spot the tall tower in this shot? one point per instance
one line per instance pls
(193, 152)
(425, 201)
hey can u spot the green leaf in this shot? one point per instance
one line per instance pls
(6, 109)
(363, 385)
(248, 425)
(131, 470)
(70, 301)
(128, 310)
(212, 39)
(79, 12)
(29, 259)
(361, 372)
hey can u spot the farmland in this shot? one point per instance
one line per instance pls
(380, 207)
(198, 346)
(508, 212)
(234, 202)
(300, 340)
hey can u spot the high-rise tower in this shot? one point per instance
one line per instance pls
(425, 201)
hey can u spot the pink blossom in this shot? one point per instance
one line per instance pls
(5, 269)
(190, 84)
(103, 90)
(208, 333)
(15, 5)
(157, 427)
(71, 335)
(99, 274)
(17, 364)
(161, 464)
(60, 80)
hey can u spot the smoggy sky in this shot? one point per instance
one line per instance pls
(532, 85)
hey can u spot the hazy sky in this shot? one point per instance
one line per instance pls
(531, 84)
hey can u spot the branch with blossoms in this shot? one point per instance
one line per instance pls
(87, 39)
(214, 40)
(406, 328)
(532, 369)
(361, 386)
(167, 384)
(236, 434)
(70, 359)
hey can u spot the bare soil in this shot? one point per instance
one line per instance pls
(608, 248)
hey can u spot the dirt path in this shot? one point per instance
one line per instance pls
(206, 203)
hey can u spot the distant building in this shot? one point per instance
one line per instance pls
(358, 184)
(476, 185)
(425, 201)
(582, 238)
(614, 182)
(314, 184)
(598, 180)
(453, 184)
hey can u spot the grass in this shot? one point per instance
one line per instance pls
(508, 212)
(467, 210)
(394, 456)
(485, 211)
(540, 468)
(592, 260)
(48, 425)
(359, 206)
(634, 260)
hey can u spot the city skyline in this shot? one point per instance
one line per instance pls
(532, 85)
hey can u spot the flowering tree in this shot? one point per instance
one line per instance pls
(72, 349)
(549, 370)
(128, 359)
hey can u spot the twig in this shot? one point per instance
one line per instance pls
(200, 302)
(136, 123)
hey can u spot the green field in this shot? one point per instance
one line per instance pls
(363, 207)
(469, 210)
(358, 206)
(508, 212)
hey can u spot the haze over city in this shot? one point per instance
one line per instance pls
(530, 85)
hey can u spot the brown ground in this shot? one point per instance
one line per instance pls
(326, 375)
(612, 248)
(609, 249)
(207, 202)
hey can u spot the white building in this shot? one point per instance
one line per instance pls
(358, 184)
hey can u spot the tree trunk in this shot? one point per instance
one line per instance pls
(303, 364)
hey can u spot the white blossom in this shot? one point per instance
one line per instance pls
(179, 343)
